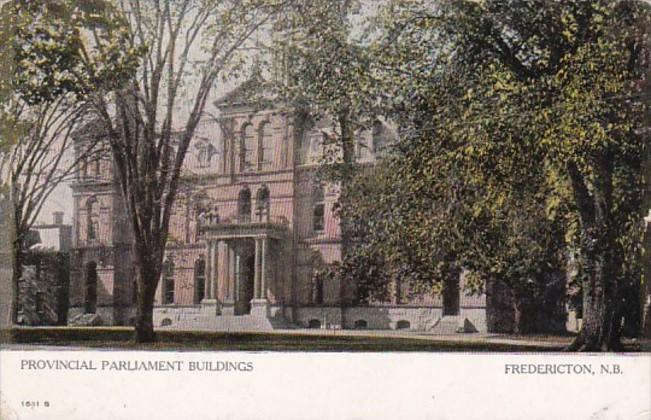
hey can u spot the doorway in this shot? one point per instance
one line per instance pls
(90, 304)
(244, 275)
(451, 296)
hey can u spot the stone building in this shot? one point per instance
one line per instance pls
(252, 225)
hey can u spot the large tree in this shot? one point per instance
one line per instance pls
(510, 90)
(187, 46)
(42, 105)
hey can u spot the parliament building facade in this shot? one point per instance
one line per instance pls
(252, 225)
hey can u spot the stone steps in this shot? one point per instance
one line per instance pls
(452, 325)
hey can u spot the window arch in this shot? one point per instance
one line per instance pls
(248, 149)
(262, 201)
(199, 280)
(244, 205)
(168, 282)
(266, 146)
(90, 304)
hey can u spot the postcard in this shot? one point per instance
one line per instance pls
(351, 209)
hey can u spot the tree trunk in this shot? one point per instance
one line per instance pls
(525, 314)
(147, 282)
(601, 329)
(17, 272)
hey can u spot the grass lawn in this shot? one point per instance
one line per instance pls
(373, 341)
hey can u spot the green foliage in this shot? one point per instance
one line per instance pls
(53, 54)
(521, 138)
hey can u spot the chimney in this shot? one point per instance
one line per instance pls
(57, 217)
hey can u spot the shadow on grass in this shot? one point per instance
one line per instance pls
(121, 339)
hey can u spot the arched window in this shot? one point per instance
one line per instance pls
(318, 208)
(199, 280)
(92, 219)
(262, 204)
(90, 304)
(248, 149)
(168, 282)
(266, 147)
(244, 205)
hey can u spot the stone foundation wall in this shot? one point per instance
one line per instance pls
(197, 317)
(383, 317)
(174, 315)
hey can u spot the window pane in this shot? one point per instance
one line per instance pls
(318, 221)
(249, 146)
(267, 157)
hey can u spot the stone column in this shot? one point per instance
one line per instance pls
(237, 270)
(206, 285)
(263, 268)
(213, 270)
(227, 277)
(231, 271)
(256, 276)
(223, 272)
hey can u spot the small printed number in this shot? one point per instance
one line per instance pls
(34, 404)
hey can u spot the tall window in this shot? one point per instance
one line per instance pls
(90, 304)
(92, 219)
(315, 150)
(204, 156)
(317, 279)
(318, 210)
(248, 151)
(168, 282)
(262, 204)
(317, 290)
(97, 166)
(83, 169)
(244, 205)
(199, 280)
(267, 147)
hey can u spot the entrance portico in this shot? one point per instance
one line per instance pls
(240, 267)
